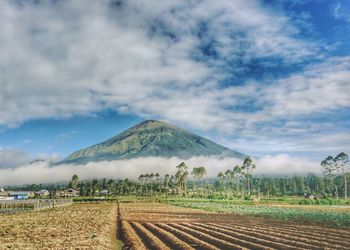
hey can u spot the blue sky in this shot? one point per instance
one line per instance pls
(262, 77)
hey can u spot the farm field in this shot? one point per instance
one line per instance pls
(77, 226)
(329, 215)
(163, 226)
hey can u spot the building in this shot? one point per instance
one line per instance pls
(43, 193)
(19, 195)
(310, 196)
(104, 192)
(70, 192)
(4, 195)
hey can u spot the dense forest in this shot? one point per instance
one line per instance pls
(238, 182)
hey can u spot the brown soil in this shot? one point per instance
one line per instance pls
(78, 226)
(161, 226)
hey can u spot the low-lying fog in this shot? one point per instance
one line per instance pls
(44, 172)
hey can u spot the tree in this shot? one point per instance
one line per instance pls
(267, 186)
(328, 169)
(294, 189)
(104, 183)
(147, 178)
(221, 177)
(237, 173)
(181, 177)
(194, 173)
(184, 181)
(74, 183)
(166, 182)
(247, 168)
(199, 173)
(282, 186)
(95, 186)
(342, 165)
(141, 179)
(111, 186)
(151, 176)
(229, 177)
(157, 176)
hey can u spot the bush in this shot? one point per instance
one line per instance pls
(247, 198)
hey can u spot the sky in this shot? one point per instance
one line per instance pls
(267, 78)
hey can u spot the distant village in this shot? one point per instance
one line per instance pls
(74, 188)
(43, 193)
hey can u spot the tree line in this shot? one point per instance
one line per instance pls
(237, 182)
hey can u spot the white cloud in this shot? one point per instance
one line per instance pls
(339, 13)
(10, 158)
(77, 57)
(42, 172)
(63, 58)
(312, 145)
(286, 165)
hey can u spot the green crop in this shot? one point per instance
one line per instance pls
(285, 213)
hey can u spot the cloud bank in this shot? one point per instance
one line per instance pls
(13, 158)
(191, 63)
(161, 59)
(43, 172)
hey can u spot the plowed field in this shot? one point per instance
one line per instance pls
(78, 226)
(161, 226)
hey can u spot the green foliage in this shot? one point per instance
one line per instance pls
(284, 213)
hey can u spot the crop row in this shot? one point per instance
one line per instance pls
(218, 236)
(336, 218)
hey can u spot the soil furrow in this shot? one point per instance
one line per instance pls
(299, 240)
(324, 236)
(172, 241)
(150, 241)
(221, 244)
(131, 239)
(329, 231)
(231, 239)
(262, 239)
(188, 238)
(265, 232)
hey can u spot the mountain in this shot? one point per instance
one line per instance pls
(151, 138)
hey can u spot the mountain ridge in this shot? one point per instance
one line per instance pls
(150, 138)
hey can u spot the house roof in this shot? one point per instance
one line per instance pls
(19, 193)
(43, 191)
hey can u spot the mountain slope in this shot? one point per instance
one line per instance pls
(151, 138)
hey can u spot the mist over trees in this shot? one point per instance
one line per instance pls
(237, 182)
